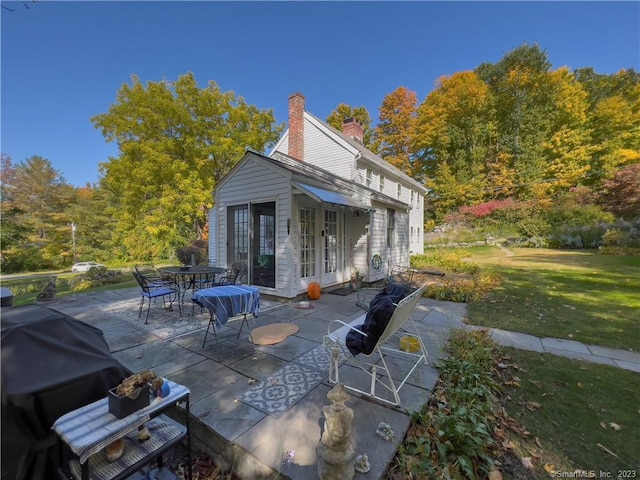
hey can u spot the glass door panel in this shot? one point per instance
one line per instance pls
(263, 244)
(331, 246)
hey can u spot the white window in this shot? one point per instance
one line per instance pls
(391, 227)
(381, 183)
(369, 177)
(399, 190)
(307, 242)
(411, 234)
(412, 198)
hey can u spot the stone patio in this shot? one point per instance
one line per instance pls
(275, 440)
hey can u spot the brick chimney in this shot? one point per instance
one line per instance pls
(352, 129)
(296, 126)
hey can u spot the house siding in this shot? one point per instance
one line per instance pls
(398, 253)
(325, 153)
(255, 183)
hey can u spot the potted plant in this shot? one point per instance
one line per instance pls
(356, 279)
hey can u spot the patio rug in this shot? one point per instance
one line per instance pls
(168, 323)
(285, 387)
(162, 323)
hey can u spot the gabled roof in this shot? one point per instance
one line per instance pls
(370, 156)
(307, 173)
(355, 147)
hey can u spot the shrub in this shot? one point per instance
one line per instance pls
(464, 290)
(488, 208)
(565, 214)
(96, 277)
(534, 227)
(623, 238)
(452, 260)
(452, 437)
(184, 255)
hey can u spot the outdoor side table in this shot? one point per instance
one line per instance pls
(89, 429)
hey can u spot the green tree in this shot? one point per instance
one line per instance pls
(92, 213)
(394, 134)
(344, 111)
(12, 232)
(176, 141)
(36, 196)
(523, 103)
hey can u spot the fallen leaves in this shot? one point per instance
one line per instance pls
(615, 426)
(532, 406)
(495, 474)
(612, 425)
(527, 463)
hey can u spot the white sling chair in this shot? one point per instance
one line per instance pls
(335, 340)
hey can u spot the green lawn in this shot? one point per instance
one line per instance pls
(579, 415)
(578, 295)
(61, 291)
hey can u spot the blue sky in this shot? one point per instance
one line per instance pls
(63, 62)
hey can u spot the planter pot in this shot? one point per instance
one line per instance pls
(121, 407)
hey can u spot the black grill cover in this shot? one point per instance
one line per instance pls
(51, 364)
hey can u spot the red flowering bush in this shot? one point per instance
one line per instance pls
(488, 208)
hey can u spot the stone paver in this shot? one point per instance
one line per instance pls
(220, 373)
(566, 345)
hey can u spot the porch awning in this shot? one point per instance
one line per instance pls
(329, 196)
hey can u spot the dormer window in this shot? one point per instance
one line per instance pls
(399, 190)
(412, 197)
(369, 177)
(381, 183)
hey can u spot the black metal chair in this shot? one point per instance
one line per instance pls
(153, 274)
(152, 290)
(399, 276)
(228, 278)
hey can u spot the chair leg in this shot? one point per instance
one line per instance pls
(141, 304)
(148, 310)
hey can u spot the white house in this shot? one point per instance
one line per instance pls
(313, 141)
(291, 222)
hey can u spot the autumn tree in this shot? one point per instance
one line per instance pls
(394, 134)
(344, 111)
(614, 118)
(621, 194)
(455, 130)
(522, 99)
(568, 148)
(176, 141)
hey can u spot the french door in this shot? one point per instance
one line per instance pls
(331, 247)
(251, 241)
